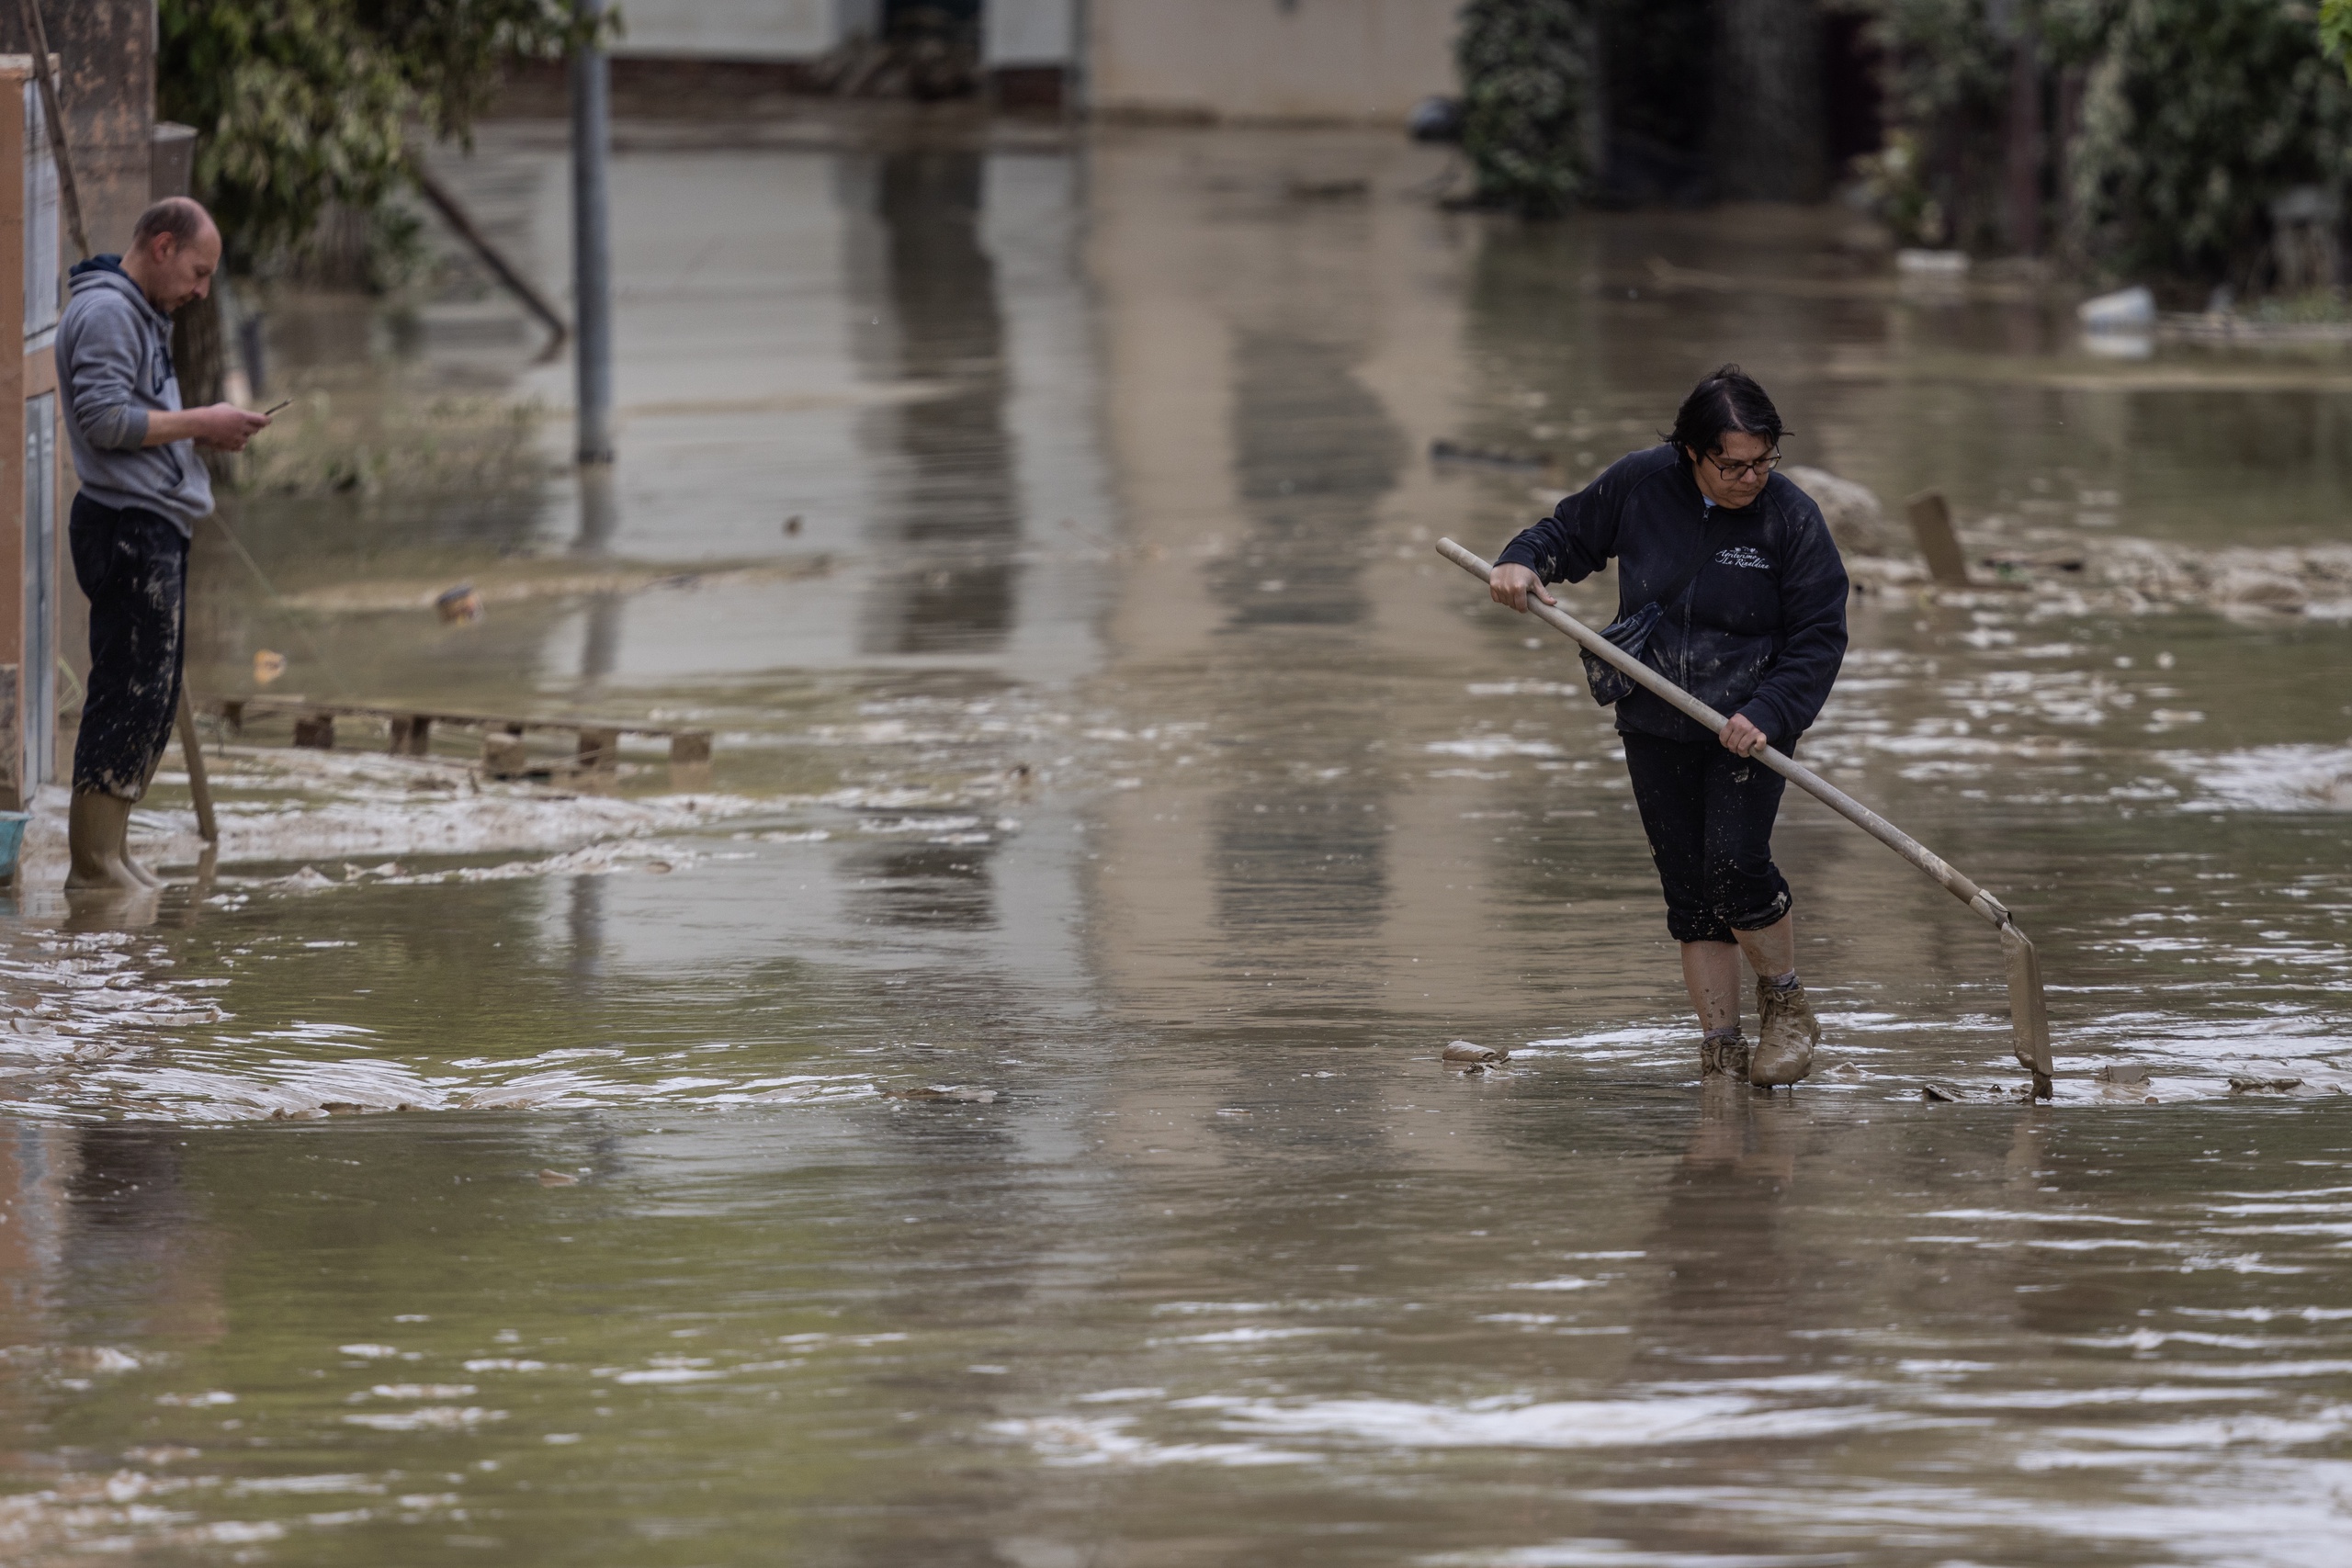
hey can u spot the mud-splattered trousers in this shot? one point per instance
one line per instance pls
(1709, 816)
(133, 565)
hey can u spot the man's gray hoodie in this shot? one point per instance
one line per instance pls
(114, 369)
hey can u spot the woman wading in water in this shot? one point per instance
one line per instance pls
(1734, 569)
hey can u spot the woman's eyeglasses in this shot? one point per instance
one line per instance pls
(1734, 472)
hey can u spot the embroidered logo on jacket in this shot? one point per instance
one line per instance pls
(1742, 555)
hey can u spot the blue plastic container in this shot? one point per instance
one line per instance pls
(12, 841)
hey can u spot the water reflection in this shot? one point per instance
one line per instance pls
(105, 1245)
(924, 885)
(1732, 1277)
(950, 519)
(1313, 454)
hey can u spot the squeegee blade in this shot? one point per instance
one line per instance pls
(2029, 1015)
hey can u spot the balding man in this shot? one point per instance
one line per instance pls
(143, 487)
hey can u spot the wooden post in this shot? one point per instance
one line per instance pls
(503, 756)
(315, 730)
(690, 746)
(600, 750)
(412, 735)
(1931, 527)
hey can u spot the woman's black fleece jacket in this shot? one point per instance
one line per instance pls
(1759, 631)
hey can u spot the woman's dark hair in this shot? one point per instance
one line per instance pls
(1728, 400)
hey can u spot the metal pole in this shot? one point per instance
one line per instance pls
(592, 260)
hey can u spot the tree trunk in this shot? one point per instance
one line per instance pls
(1768, 137)
(2024, 149)
(200, 356)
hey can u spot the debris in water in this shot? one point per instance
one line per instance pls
(557, 1178)
(792, 524)
(2126, 309)
(1932, 264)
(2057, 559)
(341, 1107)
(1468, 1051)
(1455, 452)
(1856, 520)
(962, 1094)
(1329, 190)
(268, 667)
(2123, 1073)
(161, 1454)
(2264, 1086)
(459, 605)
(1938, 1092)
(1938, 546)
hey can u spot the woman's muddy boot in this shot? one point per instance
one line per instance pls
(1723, 1055)
(97, 827)
(1786, 1035)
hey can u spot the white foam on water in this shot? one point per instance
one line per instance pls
(1242, 1337)
(1599, 1553)
(1486, 748)
(378, 807)
(2270, 778)
(1516, 1422)
(431, 1418)
(1086, 1441)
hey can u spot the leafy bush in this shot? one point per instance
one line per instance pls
(1527, 93)
(302, 103)
(1938, 179)
(2198, 114)
(2195, 115)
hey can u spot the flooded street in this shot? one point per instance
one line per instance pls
(993, 1114)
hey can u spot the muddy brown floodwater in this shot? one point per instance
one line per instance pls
(466, 1172)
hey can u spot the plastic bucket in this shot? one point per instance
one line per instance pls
(12, 841)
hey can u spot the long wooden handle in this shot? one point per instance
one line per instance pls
(1813, 784)
(200, 786)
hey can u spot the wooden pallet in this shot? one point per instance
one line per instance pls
(503, 752)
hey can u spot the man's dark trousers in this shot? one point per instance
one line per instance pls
(133, 565)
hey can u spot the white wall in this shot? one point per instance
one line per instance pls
(1307, 59)
(740, 30)
(1029, 32)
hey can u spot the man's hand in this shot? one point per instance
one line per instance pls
(224, 427)
(1743, 738)
(1512, 584)
(227, 427)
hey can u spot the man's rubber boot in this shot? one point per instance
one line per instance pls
(1725, 1056)
(1785, 1036)
(98, 827)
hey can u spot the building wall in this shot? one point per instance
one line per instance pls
(1029, 32)
(1246, 60)
(741, 30)
(1300, 60)
(107, 50)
